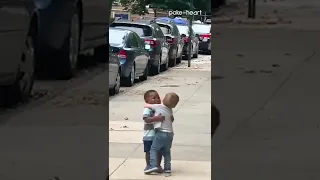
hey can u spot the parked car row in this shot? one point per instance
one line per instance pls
(141, 48)
(41, 37)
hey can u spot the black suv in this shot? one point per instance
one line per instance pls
(170, 30)
(154, 39)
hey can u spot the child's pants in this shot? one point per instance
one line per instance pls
(162, 141)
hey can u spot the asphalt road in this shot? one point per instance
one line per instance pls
(267, 93)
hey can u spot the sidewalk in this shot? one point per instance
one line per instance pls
(191, 151)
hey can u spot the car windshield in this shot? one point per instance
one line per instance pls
(201, 28)
(117, 38)
(183, 30)
(165, 29)
(141, 30)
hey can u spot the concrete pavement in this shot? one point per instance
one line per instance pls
(191, 151)
(268, 98)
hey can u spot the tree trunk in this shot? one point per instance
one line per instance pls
(155, 12)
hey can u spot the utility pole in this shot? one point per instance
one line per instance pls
(252, 9)
(190, 33)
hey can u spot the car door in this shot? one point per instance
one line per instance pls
(143, 54)
(164, 44)
(194, 41)
(132, 51)
(179, 39)
(14, 26)
(96, 19)
(113, 67)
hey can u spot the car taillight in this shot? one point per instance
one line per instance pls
(186, 39)
(122, 54)
(152, 42)
(202, 36)
(171, 40)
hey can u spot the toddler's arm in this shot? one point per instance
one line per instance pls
(150, 106)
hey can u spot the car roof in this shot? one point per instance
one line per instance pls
(140, 22)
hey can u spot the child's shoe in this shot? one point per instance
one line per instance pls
(151, 170)
(147, 167)
(160, 170)
(167, 172)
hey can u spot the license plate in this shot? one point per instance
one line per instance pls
(147, 46)
(205, 39)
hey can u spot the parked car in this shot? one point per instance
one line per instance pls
(173, 37)
(154, 39)
(203, 31)
(134, 59)
(17, 36)
(184, 30)
(114, 72)
(65, 28)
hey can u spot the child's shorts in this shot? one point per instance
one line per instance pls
(147, 146)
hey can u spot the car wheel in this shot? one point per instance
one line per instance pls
(155, 70)
(21, 90)
(116, 88)
(67, 60)
(129, 81)
(165, 66)
(173, 62)
(145, 74)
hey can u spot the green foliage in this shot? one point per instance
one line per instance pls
(139, 6)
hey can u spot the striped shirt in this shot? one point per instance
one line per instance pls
(149, 132)
(166, 125)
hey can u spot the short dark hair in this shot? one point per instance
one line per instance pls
(147, 94)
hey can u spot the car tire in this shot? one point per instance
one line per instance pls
(165, 66)
(129, 81)
(116, 89)
(21, 90)
(145, 74)
(155, 70)
(66, 61)
(173, 62)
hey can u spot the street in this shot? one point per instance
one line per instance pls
(191, 151)
(267, 92)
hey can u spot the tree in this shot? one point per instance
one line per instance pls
(139, 6)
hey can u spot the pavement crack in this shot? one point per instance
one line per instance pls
(246, 120)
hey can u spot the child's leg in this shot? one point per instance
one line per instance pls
(147, 147)
(167, 153)
(155, 148)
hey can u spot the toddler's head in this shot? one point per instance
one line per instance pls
(171, 100)
(152, 97)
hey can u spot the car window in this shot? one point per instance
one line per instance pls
(141, 30)
(138, 40)
(117, 38)
(183, 30)
(201, 28)
(165, 29)
(175, 31)
(134, 42)
(159, 32)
